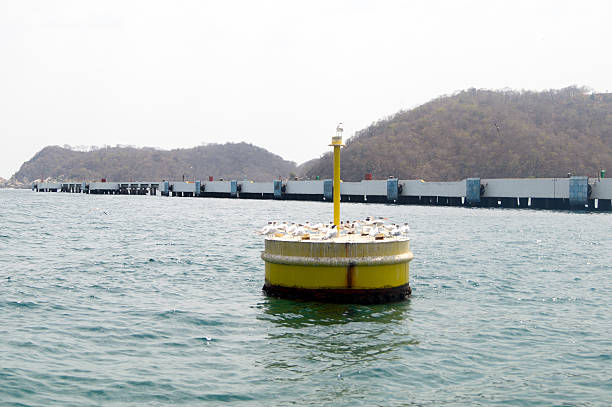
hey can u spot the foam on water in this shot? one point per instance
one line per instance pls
(125, 300)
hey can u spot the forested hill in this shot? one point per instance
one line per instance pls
(481, 133)
(229, 161)
(474, 133)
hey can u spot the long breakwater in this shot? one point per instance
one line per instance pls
(576, 193)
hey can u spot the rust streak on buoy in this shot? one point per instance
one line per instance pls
(350, 271)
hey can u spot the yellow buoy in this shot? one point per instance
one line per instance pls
(335, 264)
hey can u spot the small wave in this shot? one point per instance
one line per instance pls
(170, 314)
(225, 398)
(22, 304)
(141, 383)
(91, 328)
(202, 321)
(144, 336)
(175, 344)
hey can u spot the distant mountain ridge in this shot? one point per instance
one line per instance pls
(483, 133)
(229, 161)
(473, 133)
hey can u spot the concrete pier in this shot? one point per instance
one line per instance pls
(575, 193)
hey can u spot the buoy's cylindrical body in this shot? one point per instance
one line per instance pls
(344, 270)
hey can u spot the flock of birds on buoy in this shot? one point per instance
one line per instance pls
(377, 228)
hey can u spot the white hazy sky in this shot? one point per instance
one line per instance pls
(278, 74)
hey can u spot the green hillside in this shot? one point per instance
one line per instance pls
(483, 133)
(474, 133)
(229, 161)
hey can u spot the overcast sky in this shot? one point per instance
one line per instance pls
(278, 74)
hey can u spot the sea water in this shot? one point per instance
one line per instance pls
(140, 300)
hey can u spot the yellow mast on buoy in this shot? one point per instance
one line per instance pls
(337, 144)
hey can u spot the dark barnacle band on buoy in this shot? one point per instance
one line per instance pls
(359, 262)
(341, 296)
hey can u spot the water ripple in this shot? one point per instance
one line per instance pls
(159, 302)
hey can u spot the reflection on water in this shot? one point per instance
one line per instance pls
(300, 314)
(336, 351)
(336, 335)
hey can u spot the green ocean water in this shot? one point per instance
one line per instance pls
(138, 300)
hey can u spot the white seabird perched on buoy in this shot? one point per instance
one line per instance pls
(395, 231)
(266, 229)
(378, 222)
(300, 231)
(331, 232)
